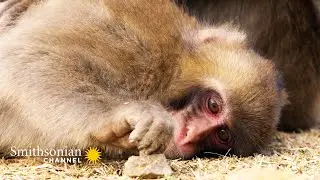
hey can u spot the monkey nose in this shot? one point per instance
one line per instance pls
(197, 130)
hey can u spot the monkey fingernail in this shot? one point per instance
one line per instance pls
(143, 147)
(124, 143)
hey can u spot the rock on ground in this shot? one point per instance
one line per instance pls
(151, 166)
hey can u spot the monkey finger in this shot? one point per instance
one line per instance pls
(154, 148)
(141, 128)
(149, 142)
(121, 127)
(151, 148)
(124, 142)
(112, 131)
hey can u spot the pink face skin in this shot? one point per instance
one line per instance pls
(199, 126)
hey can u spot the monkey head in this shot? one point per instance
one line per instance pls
(226, 97)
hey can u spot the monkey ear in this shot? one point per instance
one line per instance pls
(222, 34)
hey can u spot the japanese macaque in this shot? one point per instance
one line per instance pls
(128, 77)
(288, 33)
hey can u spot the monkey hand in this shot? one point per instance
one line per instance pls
(142, 125)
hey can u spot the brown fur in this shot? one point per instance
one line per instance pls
(11, 10)
(82, 73)
(286, 32)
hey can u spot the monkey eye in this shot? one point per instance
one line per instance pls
(224, 136)
(214, 105)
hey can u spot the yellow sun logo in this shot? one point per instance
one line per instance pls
(93, 155)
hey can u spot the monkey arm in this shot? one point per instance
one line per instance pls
(68, 110)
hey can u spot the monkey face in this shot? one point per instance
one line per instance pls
(232, 107)
(200, 120)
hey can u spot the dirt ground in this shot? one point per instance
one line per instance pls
(291, 156)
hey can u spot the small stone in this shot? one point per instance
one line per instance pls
(147, 166)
